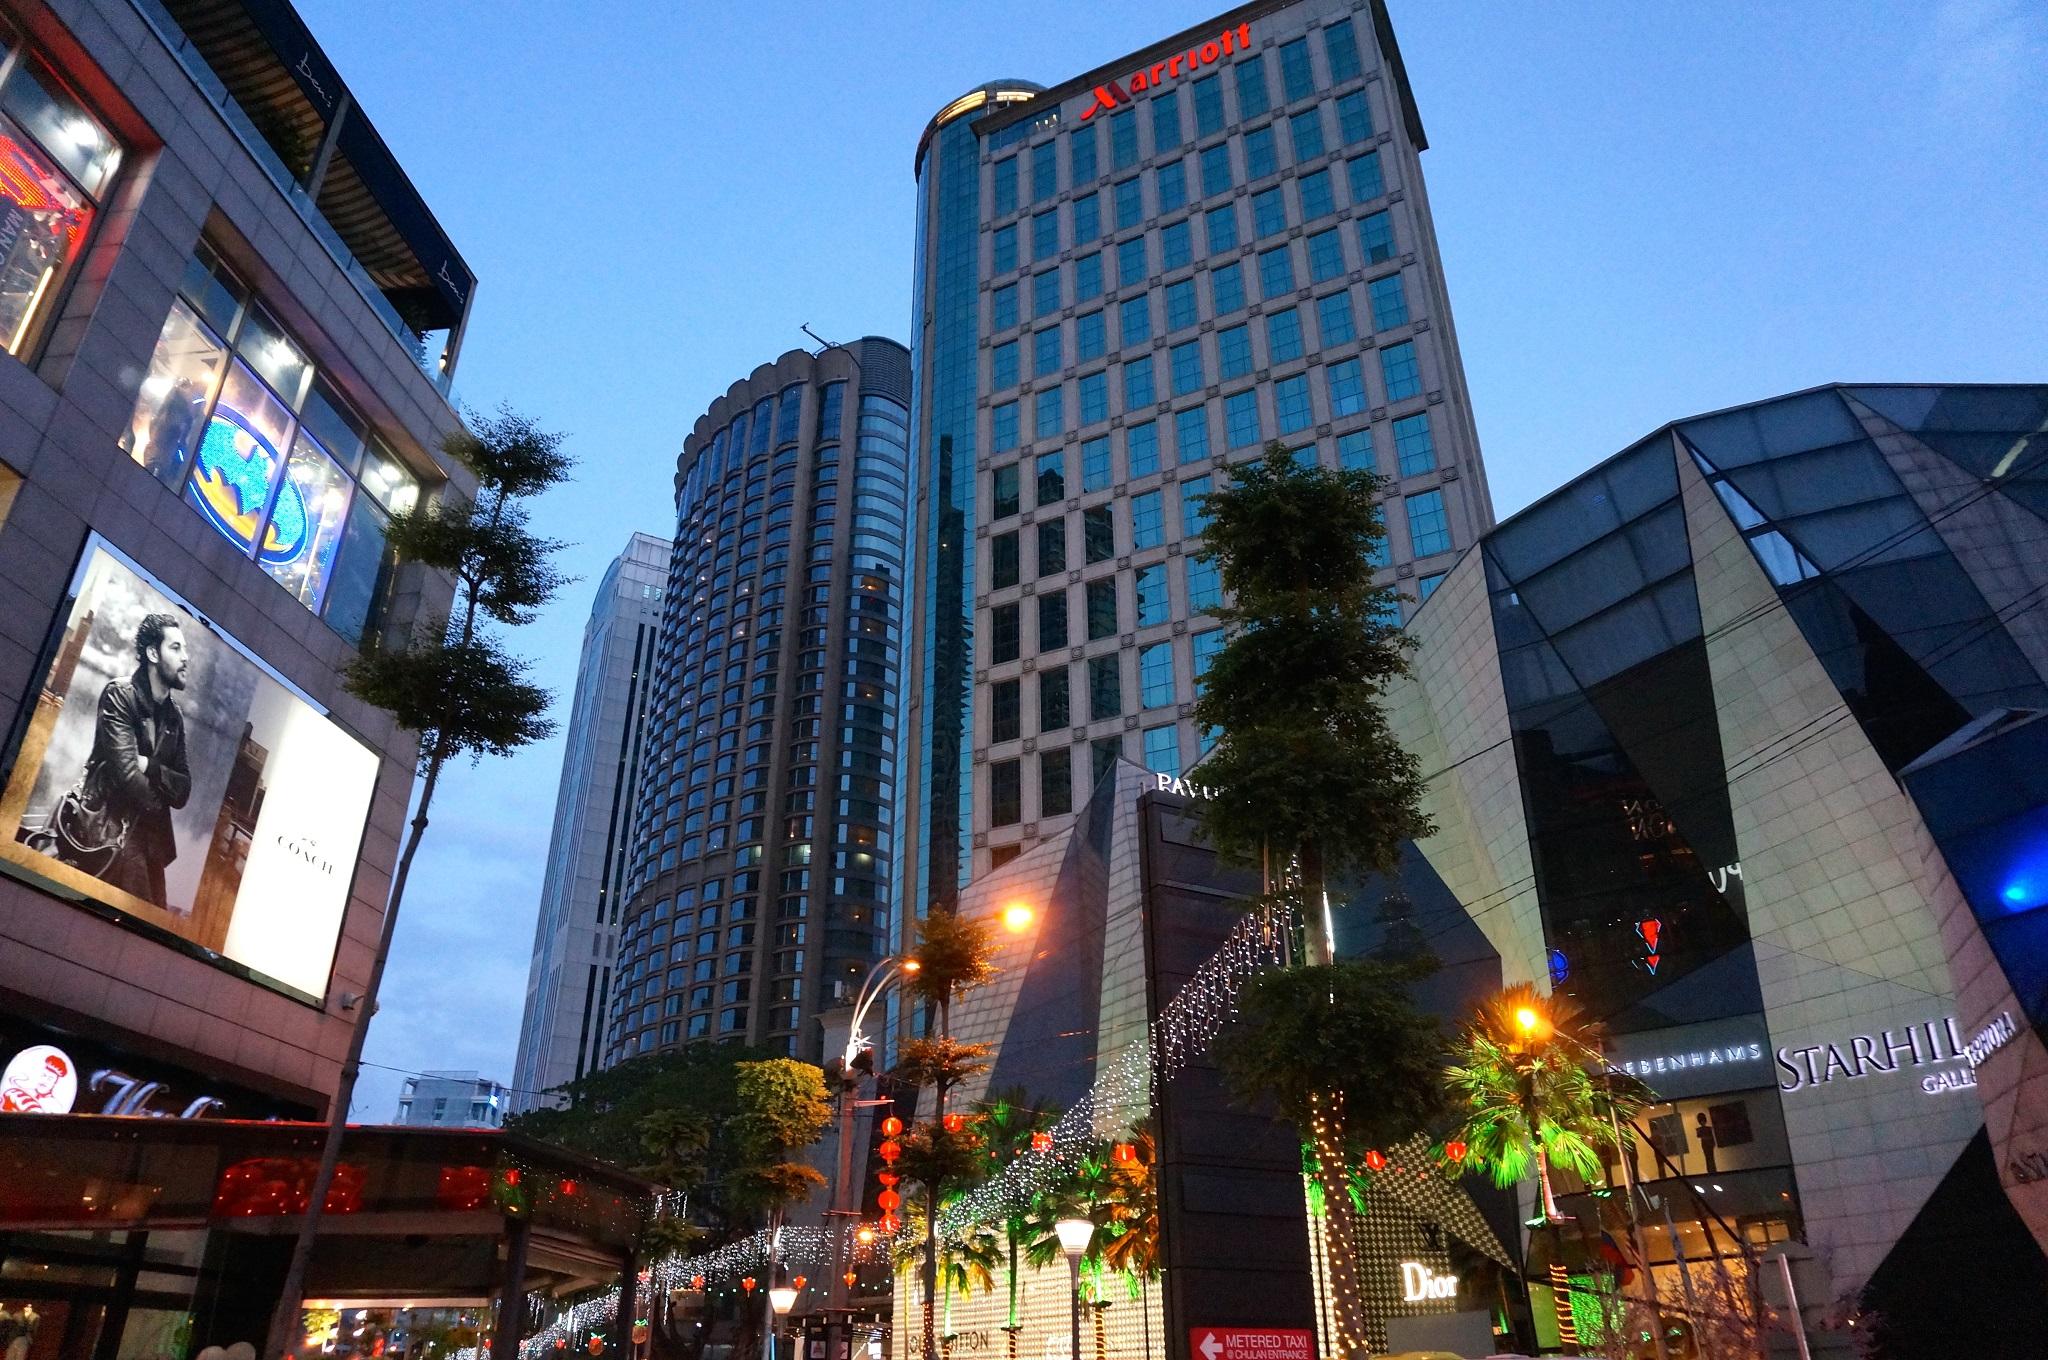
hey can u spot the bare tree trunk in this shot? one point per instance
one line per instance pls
(1341, 1234)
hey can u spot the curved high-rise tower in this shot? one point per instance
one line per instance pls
(763, 835)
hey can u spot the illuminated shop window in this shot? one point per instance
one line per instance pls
(56, 162)
(233, 416)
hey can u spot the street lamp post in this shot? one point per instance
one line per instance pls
(1074, 1235)
(884, 972)
(781, 1299)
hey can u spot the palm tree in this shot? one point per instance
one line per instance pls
(1526, 1087)
(1007, 1121)
(1132, 1241)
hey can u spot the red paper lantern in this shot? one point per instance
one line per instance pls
(1124, 1153)
(1376, 1160)
(849, 1277)
(890, 1151)
(640, 1333)
(596, 1346)
(1455, 1150)
(696, 1282)
(888, 1199)
(748, 1284)
(888, 1177)
(955, 1122)
(568, 1187)
(892, 1127)
(512, 1178)
(561, 1343)
(889, 1223)
(798, 1282)
(1041, 1141)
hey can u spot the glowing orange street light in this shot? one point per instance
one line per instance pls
(1017, 918)
(910, 965)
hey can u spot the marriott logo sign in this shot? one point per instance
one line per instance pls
(1179, 64)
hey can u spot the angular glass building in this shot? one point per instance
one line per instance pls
(1124, 283)
(1693, 725)
(763, 826)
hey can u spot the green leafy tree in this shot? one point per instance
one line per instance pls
(1346, 1058)
(1533, 1095)
(1306, 769)
(454, 683)
(784, 1108)
(1006, 1121)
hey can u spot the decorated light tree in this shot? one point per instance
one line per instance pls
(1011, 1126)
(1533, 1095)
(1310, 783)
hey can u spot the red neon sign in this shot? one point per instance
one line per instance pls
(1179, 64)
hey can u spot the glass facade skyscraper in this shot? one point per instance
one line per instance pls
(1124, 284)
(561, 1035)
(763, 830)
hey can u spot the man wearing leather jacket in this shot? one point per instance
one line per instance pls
(137, 770)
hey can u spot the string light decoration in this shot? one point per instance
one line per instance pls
(1122, 1094)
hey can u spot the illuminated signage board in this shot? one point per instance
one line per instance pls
(168, 776)
(1930, 1043)
(43, 1079)
(1172, 68)
(1990, 1039)
(1419, 1283)
(1182, 788)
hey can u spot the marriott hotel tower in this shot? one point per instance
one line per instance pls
(1125, 283)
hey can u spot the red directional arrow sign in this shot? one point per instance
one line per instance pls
(1251, 1343)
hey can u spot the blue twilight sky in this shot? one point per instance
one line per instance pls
(1645, 212)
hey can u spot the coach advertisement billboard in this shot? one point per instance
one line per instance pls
(165, 774)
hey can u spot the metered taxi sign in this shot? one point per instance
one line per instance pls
(1251, 1343)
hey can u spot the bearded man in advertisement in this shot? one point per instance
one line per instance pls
(137, 771)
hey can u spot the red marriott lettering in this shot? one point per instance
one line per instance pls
(1179, 64)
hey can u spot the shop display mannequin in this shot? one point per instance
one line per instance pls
(17, 1330)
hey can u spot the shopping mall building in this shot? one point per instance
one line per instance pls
(230, 325)
(1736, 741)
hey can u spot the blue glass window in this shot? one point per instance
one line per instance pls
(1354, 451)
(1400, 371)
(1297, 75)
(1206, 644)
(1389, 303)
(1165, 121)
(1292, 410)
(1141, 449)
(1367, 183)
(1194, 512)
(1088, 276)
(1052, 478)
(1134, 320)
(1191, 434)
(1347, 388)
(1429, 529)
(1081, 156)
(1180, 305)
(1325, 255)
(1425, 586)
(1004, 490)
(1208, 105)
(1095, 469)
(1205, 584)
(1376, 237)
(1087, 219)
(1045, 293)
(1252, 98)
(1130, 203)
(1216, 169)
(1234, 352)
(1340, 47)
(1148, 521)
(1354, 117)
(1226, 289)
(1276, 272)
(1333, 319)
(1307, 130)
(1318, 196)
(1155, 675)
(1138, 389)
(1130, 262)
(1089, 337)
(1162, 750)
(1002, 366)
(1003, 427)
(1150, 583)
(1172, 184)
(1241, 420)
(1002, 307)
(1105, 688)
(1260, 156)
(1005, 175)
(1123, 140)
(1269, 213)
(1045, 171)
(1413, 447)
(1283, 336)
(1045, 352)
(1185, 362)
(1045, 235)
(1222, 225)
(1176, 246)
(1051, 413)
(1003, 249)
(1094, 398)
